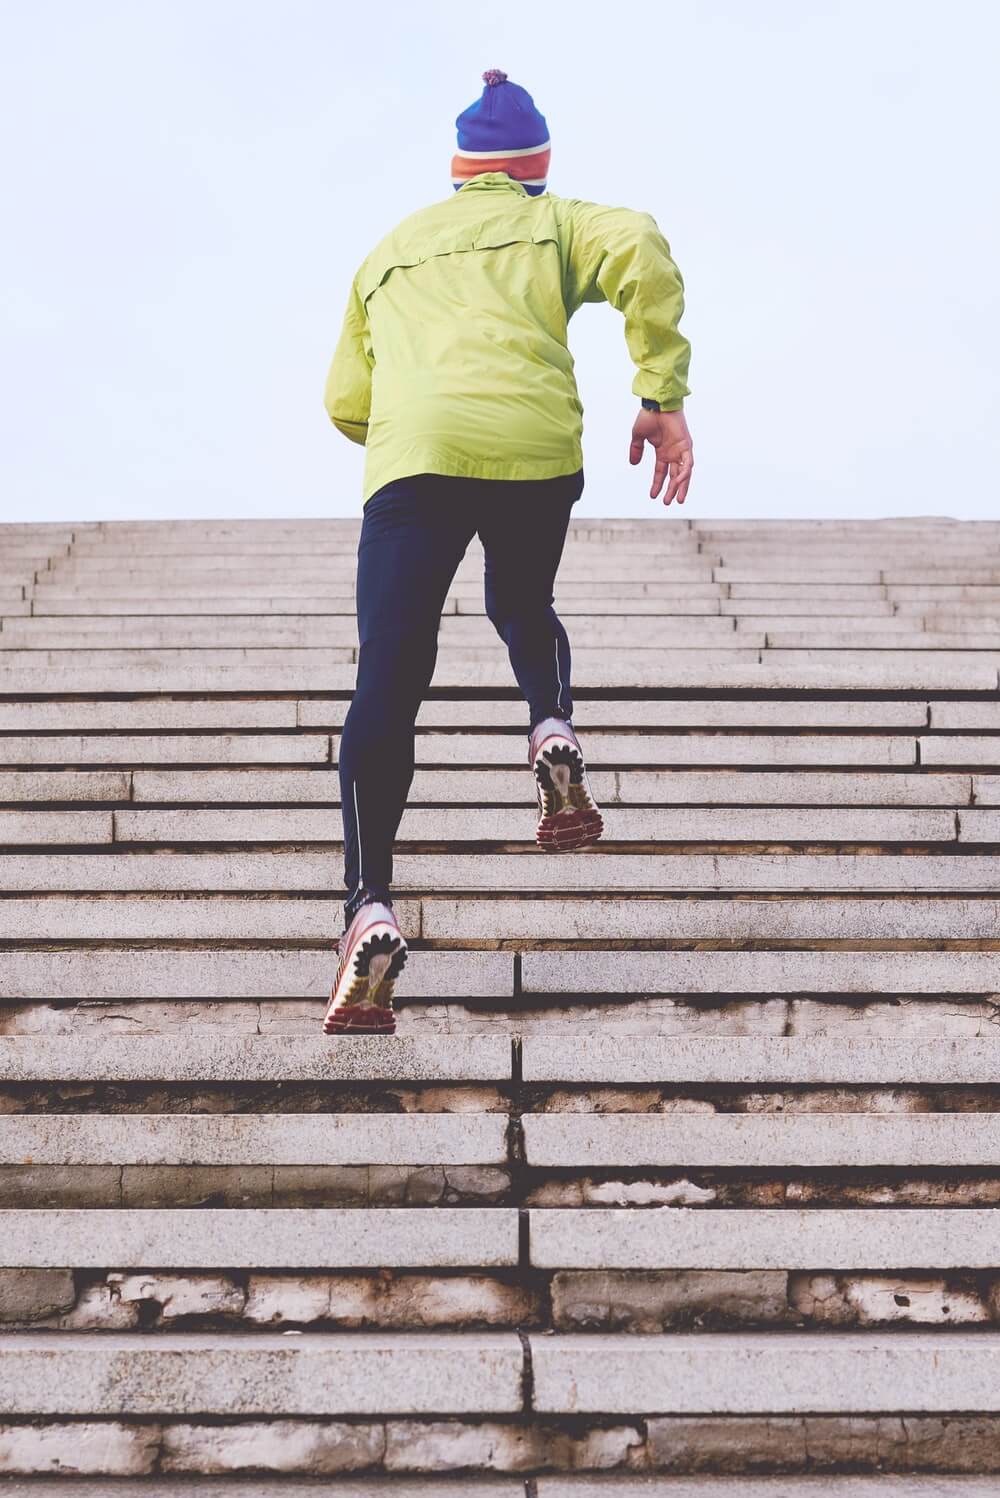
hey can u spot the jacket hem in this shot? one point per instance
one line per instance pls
(471, 468)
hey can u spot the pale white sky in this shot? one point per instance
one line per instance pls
(189, 187)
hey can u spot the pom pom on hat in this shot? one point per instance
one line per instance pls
(502, 132)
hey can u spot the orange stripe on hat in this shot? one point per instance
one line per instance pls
(529, 168)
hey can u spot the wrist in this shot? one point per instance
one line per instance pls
(661, 406)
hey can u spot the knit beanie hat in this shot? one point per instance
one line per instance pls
(502, 132)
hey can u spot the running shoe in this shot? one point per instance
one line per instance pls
(372, 955)
(568, 815)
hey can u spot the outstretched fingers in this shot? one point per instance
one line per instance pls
(681, 469)
(660, 472)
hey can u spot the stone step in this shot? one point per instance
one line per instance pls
(852, 630)
(681, 825)
(862, 602)
(639, 787)
(616, 1485)
(49, 589)
(964, 749)
(870, 1059)
(243, 918)
(925, 1018)
(514, 873)
(333, 1449)
(718, 972)
(975, 715)
(220, 1057)
(979, 826)
(458, 631)
(827, 1486)
(64, 785)
(191, 672)
(703, 1238)
(873, 653)
(307, 572)
(944, 592)
(46, 607)
(881, 639)
(698, 750)
(626, 787)
(260, 1139)
(638, 1141)
(140, 973)
(681, 1238)
(729, 1373)
(176, 715)
(265, 973)
(300, 1238)
(274, 974)
(312, 663)
(362, 1374)
(771, 1060)
(738, 750)
(244, 748)
(342, 1373)
(691, 919)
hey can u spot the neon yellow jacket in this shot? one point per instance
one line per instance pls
(453, 355)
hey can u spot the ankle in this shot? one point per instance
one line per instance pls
(362, 898)
(552, 724)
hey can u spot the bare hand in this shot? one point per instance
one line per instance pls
(667, 434)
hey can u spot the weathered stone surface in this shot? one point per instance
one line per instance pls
(35, 1294)
(59, 1186)
(293, 972)
(805, 1058)
(390, 1300)
(754, 1373)
(193, 1186)
(874, 1300)
(289, 869)
(769, 1487)
(265, 786)
(64, 785)
(107, 1448)
(179, 1296)
(256, 1058)
(745, 920)
(444, 1446)
(79, 715)
(921, 1022)
(832, 1139)
(276, 1139)
(653, 1302)
(718, 972)
(680, 749)
(764, 1240)
(972, 749)
(27, 827)
(207, 749)
(818, 1443)
(275, 1446)
(322, 1374)
(280, 1238)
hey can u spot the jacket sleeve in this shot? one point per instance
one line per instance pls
(620, 256)
(348, 397)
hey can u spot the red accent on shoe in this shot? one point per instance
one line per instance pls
(568, 831)
(360, 1019)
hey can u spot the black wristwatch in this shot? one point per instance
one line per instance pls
(650, 405)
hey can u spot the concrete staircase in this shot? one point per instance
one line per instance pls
(682, 1176)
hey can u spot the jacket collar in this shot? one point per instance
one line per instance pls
(486, 181)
